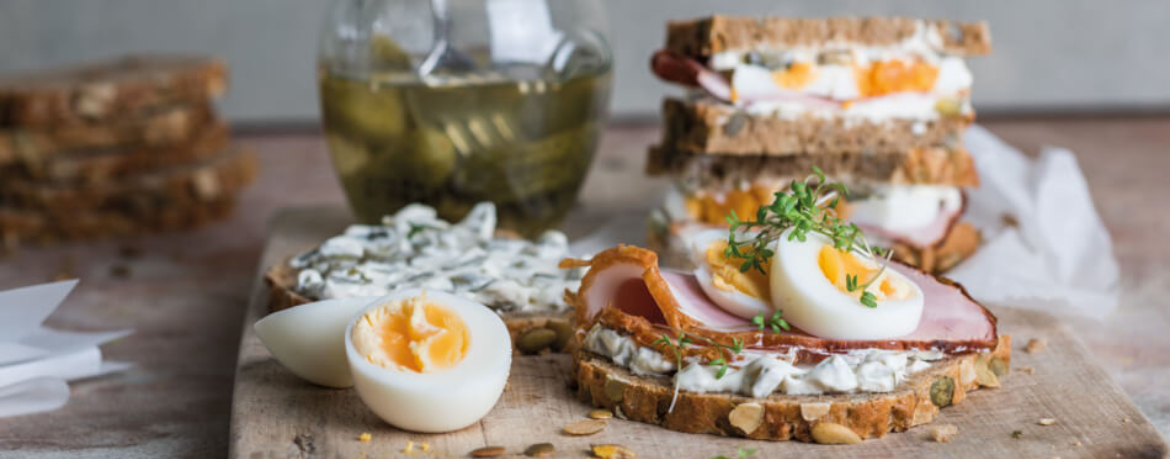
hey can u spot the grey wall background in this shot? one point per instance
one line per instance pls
(1050, 55)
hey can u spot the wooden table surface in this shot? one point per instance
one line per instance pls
(185, 293)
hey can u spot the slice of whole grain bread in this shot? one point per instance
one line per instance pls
(108, 89)
(918, 166)
(173, 124)
(778, 417)
(703, 37)
(223, 175)
(529, 331)
(711, 127)
(19, 226)
(106, 164)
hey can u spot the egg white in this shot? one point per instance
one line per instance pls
(734, 301)
(813, 304)
(448, 399)
(309, 339)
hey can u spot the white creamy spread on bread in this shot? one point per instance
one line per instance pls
(761, 374)
(414, 248)
(904, 207)
(833, 80)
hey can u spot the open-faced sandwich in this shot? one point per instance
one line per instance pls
(792, 326)
(879, 103)
(517, 278)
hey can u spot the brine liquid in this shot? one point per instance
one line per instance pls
(524, 145)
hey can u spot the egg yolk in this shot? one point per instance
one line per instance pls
(412, 335)
(837, 264)
(714, 208)
(726, 276)
(796, 76)
(895, 75)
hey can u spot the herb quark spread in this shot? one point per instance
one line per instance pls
(414, 248)
(862, 370)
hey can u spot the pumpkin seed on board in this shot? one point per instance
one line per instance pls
(536, 340)
(540, 450)
(584, 427)
(613, 452)
(487, 451)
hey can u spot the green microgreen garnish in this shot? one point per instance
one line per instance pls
(678, 344)
(808, 206)
(776, 323)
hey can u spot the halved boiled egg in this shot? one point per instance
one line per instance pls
(745, 294)
(309, 339)
(809, 282)
(428, 361)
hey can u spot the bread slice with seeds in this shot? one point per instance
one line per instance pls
(915, 401)
(104, 90)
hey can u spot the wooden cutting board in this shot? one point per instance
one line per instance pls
(277, 415)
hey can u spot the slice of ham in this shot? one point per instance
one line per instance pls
(625, 290)
(677, 68)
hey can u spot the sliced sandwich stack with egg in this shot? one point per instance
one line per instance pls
(880, 103)
(116, 147)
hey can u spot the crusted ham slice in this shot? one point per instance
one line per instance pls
(625, 290)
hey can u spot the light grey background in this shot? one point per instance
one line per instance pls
(1050, 55)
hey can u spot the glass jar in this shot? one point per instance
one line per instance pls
(453, 102)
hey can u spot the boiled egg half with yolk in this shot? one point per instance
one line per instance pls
(808, 281)
(428, 361)
(743, 293)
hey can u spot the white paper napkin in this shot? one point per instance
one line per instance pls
(36, 362)
(1051, 252)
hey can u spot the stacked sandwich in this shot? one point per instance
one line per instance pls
(118, 147)
(880, 103)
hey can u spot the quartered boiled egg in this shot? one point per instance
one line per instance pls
(745, 294)
(428, 361)
(808, 282)
(309, 339)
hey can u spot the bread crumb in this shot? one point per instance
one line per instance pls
(1024, 369)
(1035, 345)
(426, 447)
(409, 447)
(1125, 420)
(1077, 443)
(1046, 421)
(365, 437)
(943, 433)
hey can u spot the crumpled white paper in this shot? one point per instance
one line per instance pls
(36, 362)
(1053, 253)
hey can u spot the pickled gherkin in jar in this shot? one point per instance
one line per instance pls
(525, 145)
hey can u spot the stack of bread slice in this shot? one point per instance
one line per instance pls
(117, 147)
(879, 103)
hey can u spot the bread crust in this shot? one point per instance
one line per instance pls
(710, 127)
(786, 417)
(918, 166)
(104, 90)
(700, 38)
(281, 280)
